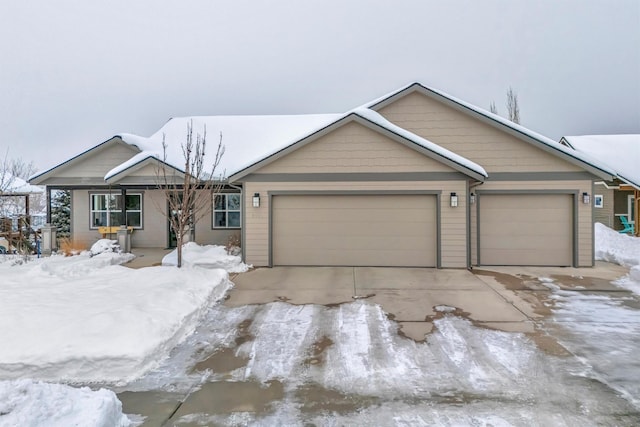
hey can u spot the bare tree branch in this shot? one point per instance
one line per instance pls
(190, 196)
(513, 108)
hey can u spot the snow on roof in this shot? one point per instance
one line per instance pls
(621, 152)
(376, 118)
(247, 139)
(20, 186)
(516, 127)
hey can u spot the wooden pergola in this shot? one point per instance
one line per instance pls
(16, 238)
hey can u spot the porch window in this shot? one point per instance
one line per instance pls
(226, 210)
(106, 210)
(631, 209)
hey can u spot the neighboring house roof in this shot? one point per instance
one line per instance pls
(17, 185)
(621, 152)
(519, 131)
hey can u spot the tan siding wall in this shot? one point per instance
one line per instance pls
(354, 148)
(206, 234)
(80, 232)
(495, 150)
(99, 163)
(153, 234)
(585, 224)
(604, 215)
(453, 227)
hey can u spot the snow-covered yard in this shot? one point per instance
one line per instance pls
(87, 320)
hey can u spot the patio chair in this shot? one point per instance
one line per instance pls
(628, 228)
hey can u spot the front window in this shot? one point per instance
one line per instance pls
(631, 208)
(106, 210)
(226, 211)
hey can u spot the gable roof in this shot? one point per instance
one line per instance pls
(39, 177)
(253, 141)
(621, 152)
(376, 122)
(582, 160)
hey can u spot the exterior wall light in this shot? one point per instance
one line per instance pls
(586, 199)
(454, 200)
(256, 200)
(472, 198)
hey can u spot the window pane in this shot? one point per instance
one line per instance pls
(99, 219)
(98, 202)
(233, 202)
(114, 218)
(133, 202)
(134, 219)
(219, 202)
(234, 219)
(220, 219)
(115, 202)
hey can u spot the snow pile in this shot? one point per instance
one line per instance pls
(104, 245)
(208, 256)
(622, 249)
(29, 403)
(81, 319)
(615, 247)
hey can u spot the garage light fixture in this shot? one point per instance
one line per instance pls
(586, 199)
(256, 200)
(454, 200)
(472, 198)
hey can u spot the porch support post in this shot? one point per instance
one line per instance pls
(48, 205)
(123, 218)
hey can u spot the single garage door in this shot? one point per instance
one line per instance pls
(526, 229)
(354, 230)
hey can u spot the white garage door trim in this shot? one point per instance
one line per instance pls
(436, 193)
(574, 216)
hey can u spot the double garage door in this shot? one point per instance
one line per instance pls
(526, 229)
(401, 230)
(354, 230)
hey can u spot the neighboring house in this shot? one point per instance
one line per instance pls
(620, 196)
(415, 178)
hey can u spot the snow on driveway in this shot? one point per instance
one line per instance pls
(462, 374)
(603, 329)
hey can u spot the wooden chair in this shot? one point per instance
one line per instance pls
(628, 228)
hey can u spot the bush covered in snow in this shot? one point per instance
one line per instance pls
(104, 245)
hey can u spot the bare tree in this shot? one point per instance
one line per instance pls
(493, 108)
(188, 194)
(513, 109)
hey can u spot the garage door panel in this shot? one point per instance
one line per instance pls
(526, 229)
(382, 230)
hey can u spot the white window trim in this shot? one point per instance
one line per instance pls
(101, 193)
(226, 210)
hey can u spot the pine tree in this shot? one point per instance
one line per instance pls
(61, 212)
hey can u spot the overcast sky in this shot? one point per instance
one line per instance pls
(74, 73)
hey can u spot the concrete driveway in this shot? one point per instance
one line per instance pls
(272, 362)
(409, 295)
